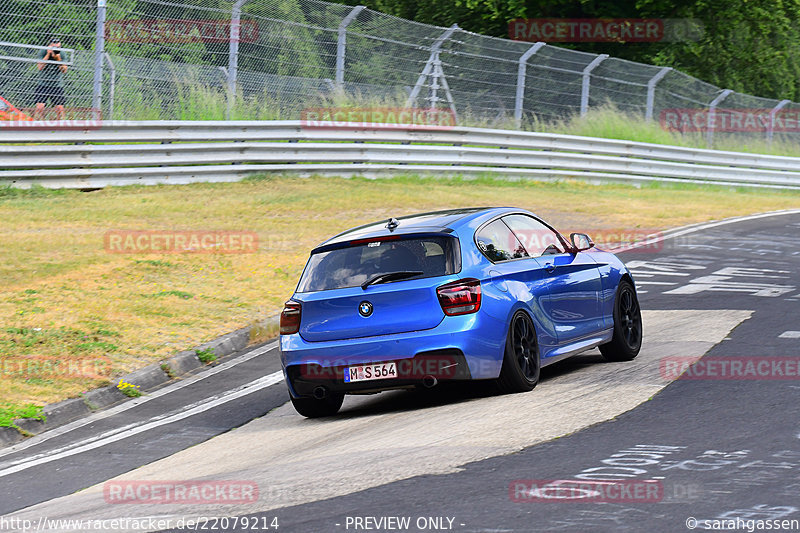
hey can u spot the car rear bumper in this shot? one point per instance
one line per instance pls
(474, 343)
(440, 365)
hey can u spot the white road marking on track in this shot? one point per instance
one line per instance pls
(138, 401)
(124, 429)
(116, 435)
(789, 335)
(678, 232)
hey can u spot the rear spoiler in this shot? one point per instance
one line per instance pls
(361, 241)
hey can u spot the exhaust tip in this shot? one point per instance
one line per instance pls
(320, 392)
(429, 381)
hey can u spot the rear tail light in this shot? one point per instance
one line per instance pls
(460, 297)
(290, 318)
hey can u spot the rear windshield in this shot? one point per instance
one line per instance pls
(352, 266)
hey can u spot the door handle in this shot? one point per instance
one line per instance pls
(549, 267)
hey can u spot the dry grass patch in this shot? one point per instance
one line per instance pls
(63, 296)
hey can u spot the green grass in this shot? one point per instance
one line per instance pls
(608, 122)
(206, 356)
(168, 370)
(36, 191)
(11, 411)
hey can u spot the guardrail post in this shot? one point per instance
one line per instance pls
(341, 44)
(522, 68)
(437, 45)
(585, 85)
(772, 114)
(233, 54)
(112, 86)
(651, 92)
(99, 50)
(712, 108)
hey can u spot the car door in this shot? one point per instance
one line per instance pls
(573, 280)
(516, 277)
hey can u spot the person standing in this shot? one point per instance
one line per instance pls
(50, 88)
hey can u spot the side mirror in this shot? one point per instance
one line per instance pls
(581, 241)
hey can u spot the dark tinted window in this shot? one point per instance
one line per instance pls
(534, 235)
(352, 266)
(498, 243)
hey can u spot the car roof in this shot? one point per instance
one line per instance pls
(431, 222)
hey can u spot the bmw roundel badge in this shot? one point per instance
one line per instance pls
(365, 308)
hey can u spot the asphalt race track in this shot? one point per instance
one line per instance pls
(693, 451)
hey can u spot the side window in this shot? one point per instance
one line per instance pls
(498, 243)
(537, 238)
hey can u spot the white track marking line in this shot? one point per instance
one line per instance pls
(678, 232)
(55, 432)
(121, 429)
(92, 443)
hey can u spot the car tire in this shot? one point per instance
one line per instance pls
(627, 339)
(520, 370)
(314, 408)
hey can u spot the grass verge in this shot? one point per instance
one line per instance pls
(65, 299)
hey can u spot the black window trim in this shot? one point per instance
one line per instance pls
(567, 246)
(500, 217)
(480, 228)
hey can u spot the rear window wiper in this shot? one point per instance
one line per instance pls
(391, 276)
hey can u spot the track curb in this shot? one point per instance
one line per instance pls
(144, 379)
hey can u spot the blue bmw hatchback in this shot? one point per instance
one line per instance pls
(466, 294)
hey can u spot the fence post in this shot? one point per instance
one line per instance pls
(651, 92)
(437, 45)
(772, 114)
(112, 86)
(585, 85)
(233, 54)
(341, 44)
(99, 50)
(712, 107)
(522, 67)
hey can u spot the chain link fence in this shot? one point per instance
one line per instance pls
(270, 59)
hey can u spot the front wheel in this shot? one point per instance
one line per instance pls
(314, 408)
(627, 338)
(520, 371)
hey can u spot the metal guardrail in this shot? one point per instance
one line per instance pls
(152, 152)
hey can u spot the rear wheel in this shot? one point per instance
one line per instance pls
(314, 408)
(627, 339)
(520, 371)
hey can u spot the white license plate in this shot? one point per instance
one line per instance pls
(370, 372)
